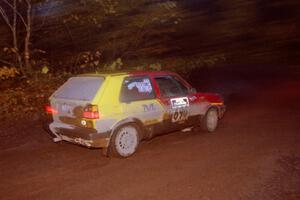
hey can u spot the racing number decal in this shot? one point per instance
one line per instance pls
(180, 114)
(179, 109)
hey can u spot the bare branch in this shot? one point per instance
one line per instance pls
(17, 12)
(15, 16)
(28, 14)
(5, 62)
(5, 17)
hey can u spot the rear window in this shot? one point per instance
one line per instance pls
(79, 88)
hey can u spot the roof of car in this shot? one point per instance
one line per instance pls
(120, 73)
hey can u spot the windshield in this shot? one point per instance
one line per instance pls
(79, 88)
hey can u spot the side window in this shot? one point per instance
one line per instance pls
(136, 88)
(183, 88)
(170, 87)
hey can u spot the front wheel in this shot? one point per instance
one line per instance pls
(124, 141)
(210, 120)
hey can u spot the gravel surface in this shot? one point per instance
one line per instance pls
(254, 155)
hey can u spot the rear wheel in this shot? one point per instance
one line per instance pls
(124, 141)
(209, 122)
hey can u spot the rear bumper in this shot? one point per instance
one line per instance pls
(82, 136)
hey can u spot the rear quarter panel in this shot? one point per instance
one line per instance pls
(108, 104)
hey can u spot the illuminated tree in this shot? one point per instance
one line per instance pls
(15, 12)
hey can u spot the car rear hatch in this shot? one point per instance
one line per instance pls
(73, 101)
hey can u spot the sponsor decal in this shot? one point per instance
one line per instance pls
(148, 107)
(180, 102)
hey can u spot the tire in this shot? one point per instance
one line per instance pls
(124, 141)
(210, 120)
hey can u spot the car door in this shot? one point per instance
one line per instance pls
(194, 108)
(139, 101)
(175, 97)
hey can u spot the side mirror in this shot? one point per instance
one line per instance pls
(192, 90)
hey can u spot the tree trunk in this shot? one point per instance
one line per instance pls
(27, 39)
(18, 58)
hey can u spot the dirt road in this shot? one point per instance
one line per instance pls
(255, 154)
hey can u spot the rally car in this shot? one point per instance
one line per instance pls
(115, 111)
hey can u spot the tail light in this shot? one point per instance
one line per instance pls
(91, 112)
(50, 110)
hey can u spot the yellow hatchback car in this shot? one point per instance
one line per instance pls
(115, 111)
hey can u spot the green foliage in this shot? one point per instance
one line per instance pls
(27, 97)
(168, 5)
(6, 73)
(45, 70)
(89, 59)
(150, 67)
(185, 66)
(109, 6)
(155, 66)
(182, 65)
(9, 50)
(7, 56)
(115, 65)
